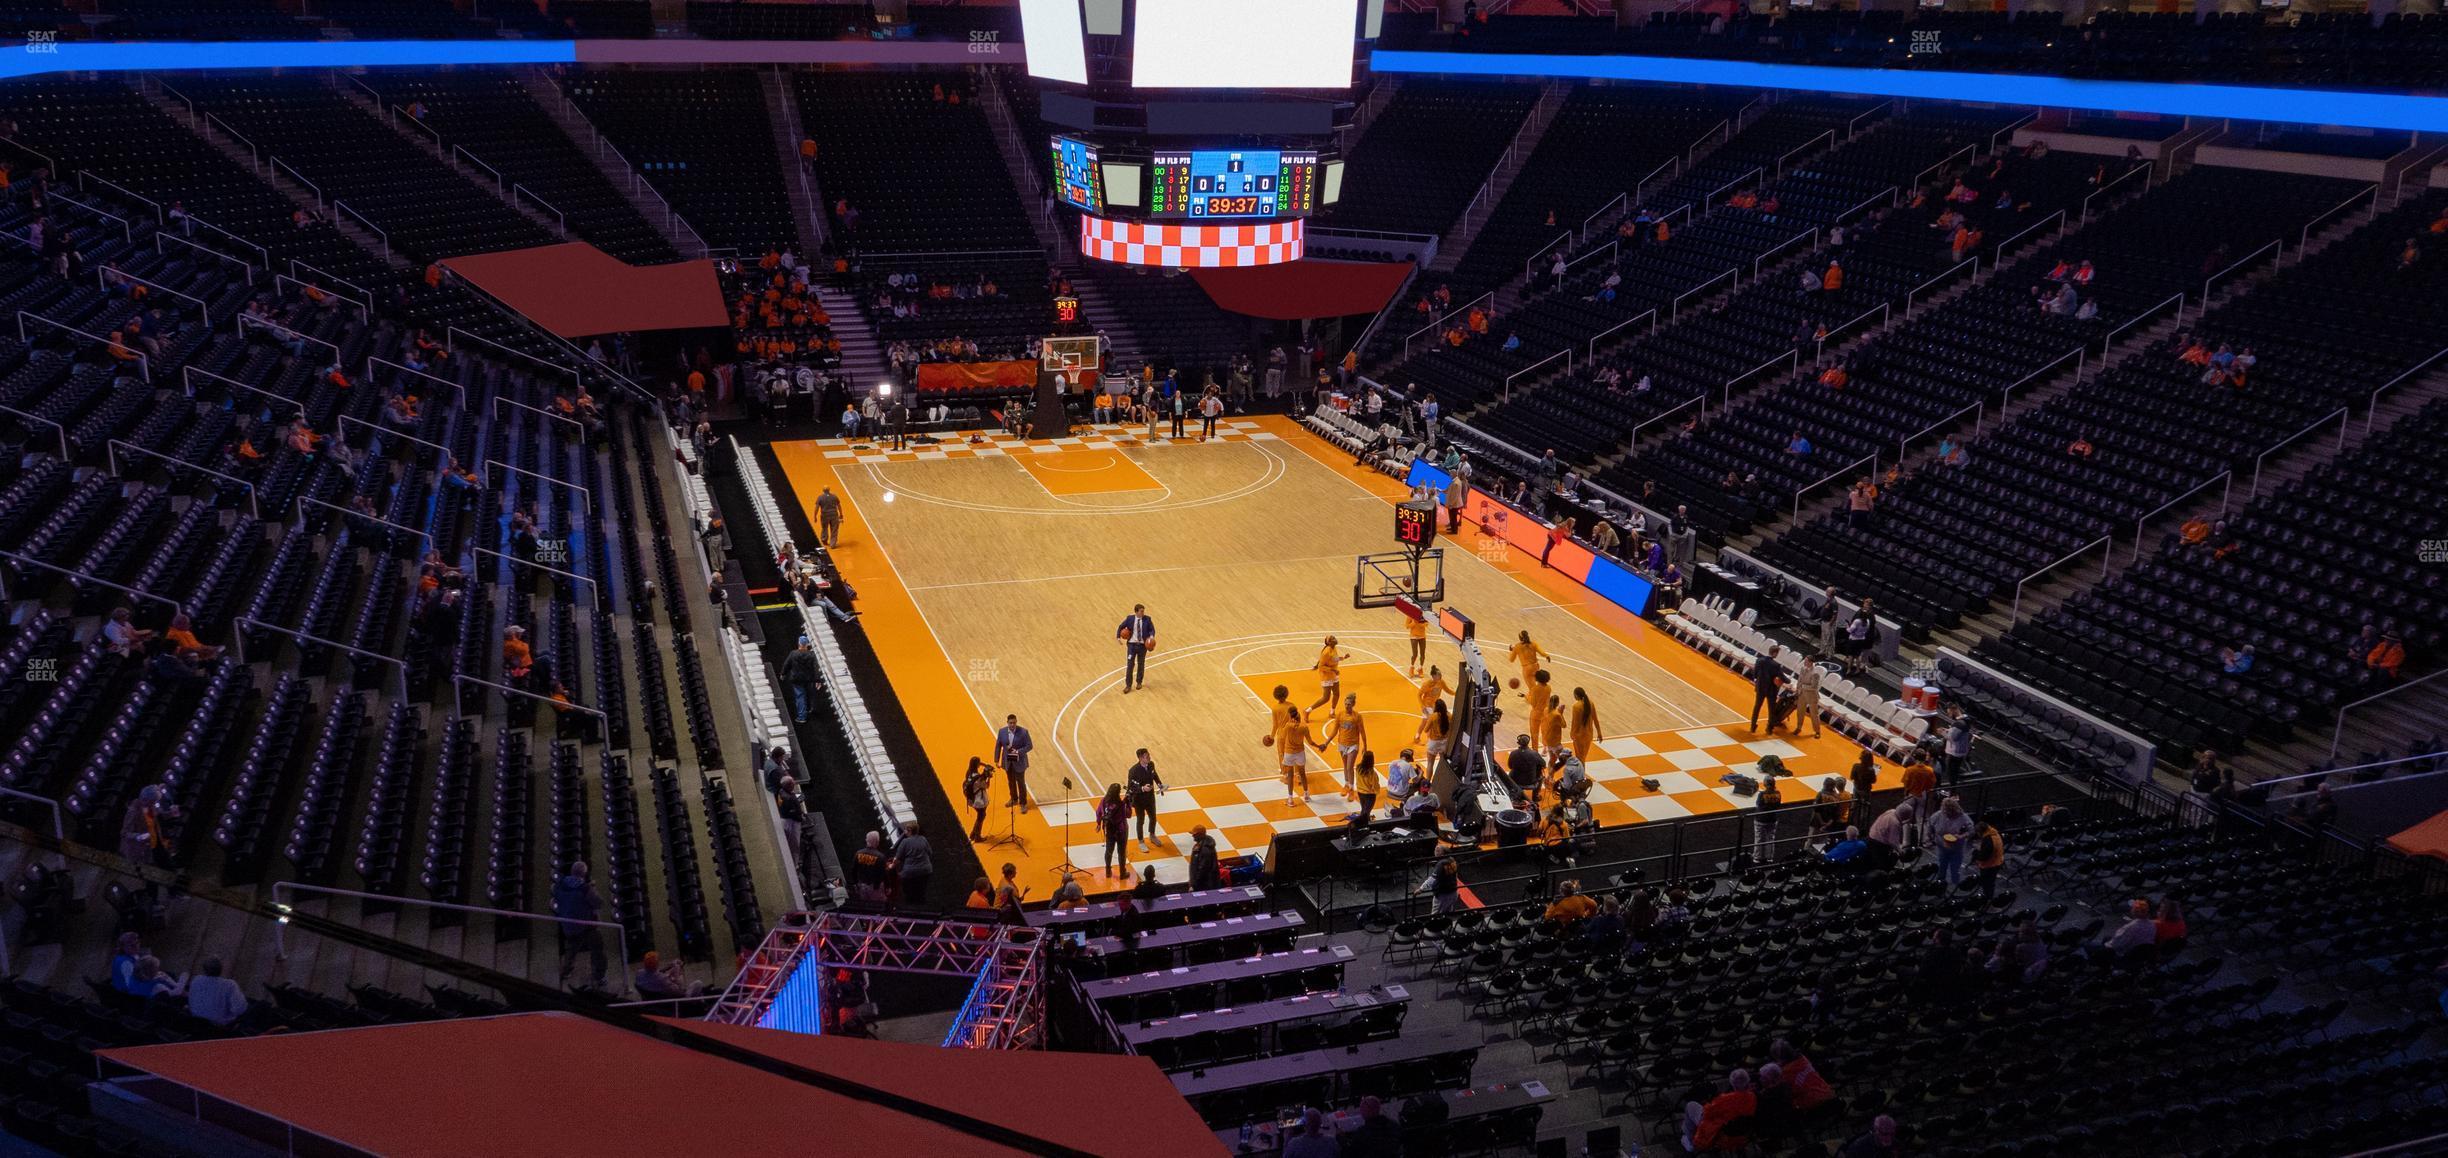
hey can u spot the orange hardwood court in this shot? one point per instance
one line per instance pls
(993, 576)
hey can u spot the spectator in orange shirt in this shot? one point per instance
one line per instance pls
(517, 658)
(2387, 658)
(182, 636)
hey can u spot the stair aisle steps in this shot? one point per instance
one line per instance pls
(782, 112)
(658, 213)
(1534, 127)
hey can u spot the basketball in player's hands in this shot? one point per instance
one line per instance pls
(1266, 741)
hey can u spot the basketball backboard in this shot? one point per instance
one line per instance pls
(1394, 577)
(1057, 355)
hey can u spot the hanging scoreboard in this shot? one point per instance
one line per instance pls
(1076, 178)
(1248, 184)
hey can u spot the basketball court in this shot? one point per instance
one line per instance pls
(993, 576)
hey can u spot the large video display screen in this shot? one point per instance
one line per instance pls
(1050, 34)
(1242, 44)
(1077, 181)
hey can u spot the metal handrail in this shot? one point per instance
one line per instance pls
(2338, 734)
(381, 431)
(211, 119)
(1633, 197)
(458, 151)
(516, 190)
(2112, 183)
(161, 235)
(1632, 439)
(56, 428)
(2341, 413)
(1819, 352)
(1792, 357)
(1904, 444)
(1810, 237)
(127, 232)
(398, 113)
(500, 401)
(1829, 136)
(369, 90)
(1620, 201)
(114, 446)
(1943, 162)
(325, 274)
(2227, 475)
(2080, 354)
(450, 335)
(1942, 275)
(281, 945)
(1994, 145)
(1314, 231)
(362, 219)
(238, 638)
(1890, 194)
(321, 202)
(1439, 324)
(101, 281)
(1853, 126)
(1691, 155)
(2320, 773)
(364, 313)
(269, 324)
(372, 361)
(187, 380)
(1674, 309)
(264, 255)
(2279, 245)
(1650, 314)
(1999, 254)
(461, 681)
(1709, 201)
(306, 500)
(1565, 353)
(548, 569)
(2372, 407)
(122, 190)
(1529, 264)
(1846, 472)
(2149, 314)
(1608, 250)
(583, 492)
(2305, 239)
(73, 573)
(48, 163)
(144, 365)
(2106, 559)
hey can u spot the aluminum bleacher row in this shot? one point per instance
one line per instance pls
(1709, 627)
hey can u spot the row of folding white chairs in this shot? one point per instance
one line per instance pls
(1851, 708)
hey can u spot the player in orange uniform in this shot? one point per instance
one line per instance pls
(1584, 725)
(1526, 656)
(1292, 742)
(1329, 667)
(1418, 626)
(1350, 736)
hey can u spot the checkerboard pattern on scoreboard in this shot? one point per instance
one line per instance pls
(1244, 815)
(1191, 246)
(996, 444)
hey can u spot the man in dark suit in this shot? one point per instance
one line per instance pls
(1138, 634)
(1012, 746)
(1767, 678)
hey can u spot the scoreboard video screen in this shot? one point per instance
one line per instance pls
(1255, 184)
(1076, 178)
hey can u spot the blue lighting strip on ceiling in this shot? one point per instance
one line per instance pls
(167, 56)
(2292, 106)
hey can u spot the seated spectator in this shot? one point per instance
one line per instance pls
(215, 998)
(121, 635)
(148, 981)
(2169, 924)
(2236, 661)
(1724, 1123)
(2140, 930)
(657, 981)
(1809, 1090)
(1879, 1142)
(1571, 906)
(2387, 657)
(2080, 447)
(1069, 894)
(1848, 850)
(1774, 1115)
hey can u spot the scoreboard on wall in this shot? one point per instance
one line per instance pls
(1246, 184)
